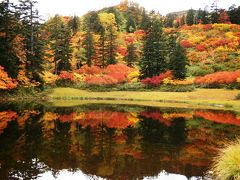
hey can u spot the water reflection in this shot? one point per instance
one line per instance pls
(112, 142)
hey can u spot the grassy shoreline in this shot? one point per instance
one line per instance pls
(203, 98)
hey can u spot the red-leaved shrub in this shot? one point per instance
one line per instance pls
(157, 80)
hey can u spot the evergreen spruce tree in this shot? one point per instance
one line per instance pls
(9, 28)
(112, 47)
(214, 13)
(74, 24)
(89, 47)
(234, 14)
(60, 43)
(177, 58)
(130, 25)
(190, 17)
(153, 60)
(31, 29)
(131, 57)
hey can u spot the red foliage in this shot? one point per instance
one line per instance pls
(67, 117)
(157, 116)
(223, 77)
(122, 50)
(224, 17)
(66, 75)
(89, 70)
(139, 32)
(186, 44)
(129, 39)
(207, 27)
(200, 47)
(108, 118)
(221, 42)
(118, 72)
(219, 117)
(157, 80)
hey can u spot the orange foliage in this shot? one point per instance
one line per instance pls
(219, 117)
(89, 70)
(67, 117)
(111, 119)
(5, 117)
(186, 44)
(100, 80)
(219, 78)
(5, 81)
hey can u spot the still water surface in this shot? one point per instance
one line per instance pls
(111, 141)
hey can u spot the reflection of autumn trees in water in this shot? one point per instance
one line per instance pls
(111, 143)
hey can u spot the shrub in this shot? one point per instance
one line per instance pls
(133, 76)
(195, 70)
(5, 81)
(65, 79)
(219, 78)
(226, 164)
(89, 70)
(49, 78)
(103, 80)
(157, 80)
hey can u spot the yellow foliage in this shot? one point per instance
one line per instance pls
(177, 115)
(48, 77)
(133, 117)
(187, 81)
(238, 80)
(222, 27)
(231, 36)
(223, 49)
(133, 76)
(196, 39)
(108, 21)
(23, 79)
(78, 77)
(49, 116)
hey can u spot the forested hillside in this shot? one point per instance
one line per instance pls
(116, 45)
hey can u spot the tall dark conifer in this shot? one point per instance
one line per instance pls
(9, 28)
(177, 58)
(34, 44)
(89, 47)
(60, 44)
(131, 57)
(153, 60)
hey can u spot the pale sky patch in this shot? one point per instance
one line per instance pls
(49, 8)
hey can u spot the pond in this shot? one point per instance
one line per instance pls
(97, 141)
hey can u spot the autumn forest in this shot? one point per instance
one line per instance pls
(122, 46)
(119, 93)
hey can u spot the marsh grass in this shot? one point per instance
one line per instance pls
(226, 165)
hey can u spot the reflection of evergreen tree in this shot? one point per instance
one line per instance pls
(177, 131)
(154, 131)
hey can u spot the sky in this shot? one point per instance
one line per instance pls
(49, 8)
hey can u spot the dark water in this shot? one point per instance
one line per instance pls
(110, 141)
